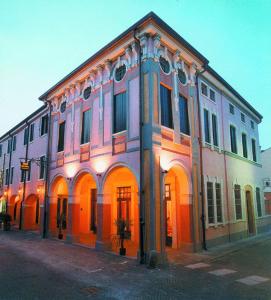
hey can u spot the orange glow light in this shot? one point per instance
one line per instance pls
(100, 165)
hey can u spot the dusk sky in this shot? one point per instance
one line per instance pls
(42, 41)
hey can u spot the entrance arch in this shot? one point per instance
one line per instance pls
(177, 208)
(31, 211)
(14, 208)
(250, 210)
(58, 206)
(120, 202)
(84, 211)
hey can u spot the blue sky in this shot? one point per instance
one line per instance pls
(42, 41)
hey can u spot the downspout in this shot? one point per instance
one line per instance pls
(202, 192)
(9, 166)
(47, 173)
(24, 185)
(141, 159)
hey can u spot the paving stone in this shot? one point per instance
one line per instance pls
(252, 280)
(197, 266)
(222, 272)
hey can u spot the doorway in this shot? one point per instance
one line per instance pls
(168, 214)
(62, 207)
(250, 214)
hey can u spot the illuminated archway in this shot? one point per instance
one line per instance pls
(120, 201)
(58, 206)
(31, 209)
(177, 207)
(84, 210)
(14, 206)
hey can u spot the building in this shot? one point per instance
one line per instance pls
(266, 175)
(146, 131)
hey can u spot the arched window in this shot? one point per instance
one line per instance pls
(120, 72)
(164, 63)
(182, 76)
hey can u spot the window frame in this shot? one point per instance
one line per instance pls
(235, 140)
(231, 109)
(82, 137)
(64, 131)
(215, 134)
(45, 131)
(168, 101)
(254, 150)
(240, 218)
(114, 108)
(44, 167)
(208, 128)
(258, 202)
(185, 100)
(31, 132)
(244, 134)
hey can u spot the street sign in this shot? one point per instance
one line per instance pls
(24, 166)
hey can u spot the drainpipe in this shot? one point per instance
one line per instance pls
(24, 185)
(204, 246)
(9, 166)
(47, 173)
(141, 154)
(3, 183)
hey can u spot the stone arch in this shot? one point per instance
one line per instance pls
(14, 208)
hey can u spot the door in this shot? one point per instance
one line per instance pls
(93, 210)
(168, 215)
(62, 208)
(250, 215)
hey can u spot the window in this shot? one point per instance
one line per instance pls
(7, 177)
(124, 206)
(231, 107)
(120, 113)
(42, 167)
(233, 139)
(243, 118)
(164, 63)
(32, 127)
(184, 118)
(207, 126)
(14, 141)
(212, 95)
(87, 92)
(182, 76)
(244, 144)
(219, 217)
(215, 134)
(120, 72)
(23, 174)
(61, 137)
(26, 135)
(9, 145)
(29, 171)
(1, 150)
(210, 203)
(63, 107)
(238, 202)
(85, 133)
(252, 125)
(166, 107)
(253, 148)
(204, 89)
(258, 200)
(11, 175)
(44, 125)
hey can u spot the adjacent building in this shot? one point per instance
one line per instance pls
(147, 132)
(266, 176)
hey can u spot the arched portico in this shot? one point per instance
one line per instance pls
(31, 209)
(177, 202)
(84, 209)
(58, 206)
(14, 206)
(119, 201)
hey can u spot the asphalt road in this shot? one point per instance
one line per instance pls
(32, 268)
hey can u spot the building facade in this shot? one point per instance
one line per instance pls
(145, 131)
(266, 176)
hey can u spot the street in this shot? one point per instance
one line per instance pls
(33, 268)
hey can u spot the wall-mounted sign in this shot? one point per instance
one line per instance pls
(24, 166)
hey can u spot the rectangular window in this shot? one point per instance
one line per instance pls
(23, 174)
(7, 177)
(124, 206)
(233, 139)
(29, 171)
(231, 107)
(26, 135)
(42, 167)
(244, 144)
(120, 113)
(1, 150)
(238, 202)
(32, 127)
(44, 125)
(215, 134)
(14, 141)
(9, 145)
(253, 148)
(166, 107)
(258, 200)
(61, 137)
(210, 203)
(218, 202)
(85, 133)
(184, 118)
(212, 95)
(207, 126)
(204, 89)
(243, 118)
(252, 124)
(11, 175)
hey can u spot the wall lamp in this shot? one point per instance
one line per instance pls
(165, 171)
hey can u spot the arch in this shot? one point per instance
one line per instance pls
(31, 209)
(84, 208)
(58, 205)
(120, 202)
(83, 172)
(178, 206)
